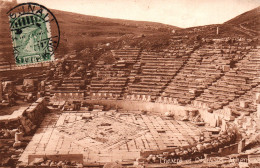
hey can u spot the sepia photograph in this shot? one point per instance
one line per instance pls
(130, 83)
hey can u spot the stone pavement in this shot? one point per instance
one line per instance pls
(106, 136)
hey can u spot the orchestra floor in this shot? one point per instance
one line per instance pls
(105, 136)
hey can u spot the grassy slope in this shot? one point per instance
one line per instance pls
(249, 19)
(249, 16)
(83, 31)
(232, 28)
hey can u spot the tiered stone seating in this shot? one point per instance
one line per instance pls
(71, 83)
(246, 104)
(205, 66)
(69, 88)
(156, 69)
(234, 84)
(110, 79)
(179, 75)
(128, 55)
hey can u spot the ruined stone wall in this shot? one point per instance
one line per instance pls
(26, 117)
(157, 107)
(145, 106)
(161, 108)
(214, 119)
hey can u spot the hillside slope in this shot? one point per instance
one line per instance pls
(250, 20)
(81, 31)
(91, 34)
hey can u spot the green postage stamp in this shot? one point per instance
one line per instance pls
(31, 34)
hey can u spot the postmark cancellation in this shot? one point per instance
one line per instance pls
(30, 25)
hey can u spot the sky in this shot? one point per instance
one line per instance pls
(181, 13)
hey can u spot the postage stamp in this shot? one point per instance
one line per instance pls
(33, 42)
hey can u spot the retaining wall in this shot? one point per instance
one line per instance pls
(146, 106)
(160, 108)
(27, 117)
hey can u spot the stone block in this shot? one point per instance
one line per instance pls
(241, 145)
(226, 68)
(257, 123)
(18, 136)
(257, 97)
(17, 144)
(213, 122)
(226, 114)
(253, 159)
(224, 126)
(244, 104)
(258, 110)
(38, 160)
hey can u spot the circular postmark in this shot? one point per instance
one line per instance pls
(35, 33)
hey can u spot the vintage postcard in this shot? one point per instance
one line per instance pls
(130, 83)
